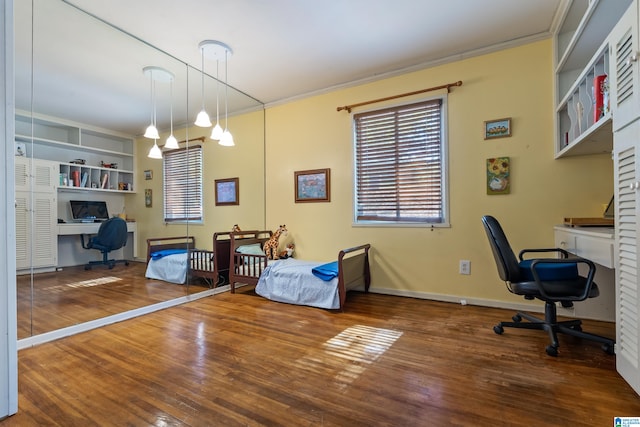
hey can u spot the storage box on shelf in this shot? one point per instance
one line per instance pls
(582, 62)
(89, 160)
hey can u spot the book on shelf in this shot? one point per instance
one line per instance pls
(75, 177)
(105, 180)
(85, 177)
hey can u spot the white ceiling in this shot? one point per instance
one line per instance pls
(282, 49)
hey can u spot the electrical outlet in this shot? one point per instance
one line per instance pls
(465, 266)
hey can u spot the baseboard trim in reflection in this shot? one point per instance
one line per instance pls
(93, 324)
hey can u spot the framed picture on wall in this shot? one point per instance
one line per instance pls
(227, 192)
(148, 198)
(499, 128)
(148, 174)
(313, 185)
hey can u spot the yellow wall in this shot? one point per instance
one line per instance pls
(245, 161)
(311, 134)
(516, 83)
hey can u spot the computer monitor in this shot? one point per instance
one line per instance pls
(87, 210)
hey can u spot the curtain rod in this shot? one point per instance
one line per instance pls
(200, 138)
(447, 86)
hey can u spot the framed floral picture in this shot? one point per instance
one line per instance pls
(498, 176)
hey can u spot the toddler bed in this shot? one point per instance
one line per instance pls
(294, 281)
(176, 259)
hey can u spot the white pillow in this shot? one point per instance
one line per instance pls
(253, 249)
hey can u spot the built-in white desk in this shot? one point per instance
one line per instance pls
(598, 245)
(70, 251)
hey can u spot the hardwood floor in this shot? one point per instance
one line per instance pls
(74, 296)
(241, 360)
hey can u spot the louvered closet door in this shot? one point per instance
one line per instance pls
(23, 230)
(627, 195)
(624, 73)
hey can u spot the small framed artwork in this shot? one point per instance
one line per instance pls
(21, 149)
(227, 192)
(498, 176)
(313, 185)
(499, 128)
(148, 197)
(148, 174)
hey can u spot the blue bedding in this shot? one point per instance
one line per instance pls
(326, 271)
(165, 252)
(292, 281)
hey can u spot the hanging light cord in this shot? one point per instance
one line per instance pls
(171, 103)
(154, 102)
(226, 89)
(217, 89)
(202, 73)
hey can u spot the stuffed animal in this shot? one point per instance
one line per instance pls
(271, 246)
(235, 228)
(288, 252)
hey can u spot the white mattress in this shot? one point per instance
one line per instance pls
(291, 281)
(170, 268)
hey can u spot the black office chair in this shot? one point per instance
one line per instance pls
(112, 235)
(551, 280)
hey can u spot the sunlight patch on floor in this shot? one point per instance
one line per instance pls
(84, 283)
(351, 352)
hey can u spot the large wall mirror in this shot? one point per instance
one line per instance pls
(82, 105)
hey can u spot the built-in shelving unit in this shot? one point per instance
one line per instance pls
(582, 58)
(89, 160)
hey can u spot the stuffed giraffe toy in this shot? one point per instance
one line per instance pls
(271, 246)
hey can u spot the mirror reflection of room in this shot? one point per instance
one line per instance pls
(82, 160)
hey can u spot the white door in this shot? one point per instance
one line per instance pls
(627, 188)
(624, 69)
(8, 331)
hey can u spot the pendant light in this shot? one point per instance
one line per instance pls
(216, 133)
(227, 138)
(202, 119)
(172, 142)
(152, 131)
(219, 51)
(157, 74)
(155, 152)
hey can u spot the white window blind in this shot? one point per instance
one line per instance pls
(182, 179)
(399, 164)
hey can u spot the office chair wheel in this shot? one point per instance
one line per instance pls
(126, 263)
(516, 318)
(552, 350)
(608, 348)
(577, 328)
(498, 329)
(87, 267)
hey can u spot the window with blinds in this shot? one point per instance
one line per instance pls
(182, 182)
(399, 163)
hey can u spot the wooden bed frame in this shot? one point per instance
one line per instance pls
(212, 266)
(353, 264)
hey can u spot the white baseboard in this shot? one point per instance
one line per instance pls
(538, 308)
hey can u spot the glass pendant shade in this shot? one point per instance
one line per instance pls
(203, 120)
(172, 143)
(155, 152)
(227, 139)
(151, 132)
(217, 132)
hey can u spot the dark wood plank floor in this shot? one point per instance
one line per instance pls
(73, 295)
(240, 360)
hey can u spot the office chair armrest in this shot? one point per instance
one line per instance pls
(564, 254)
(576, 260)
